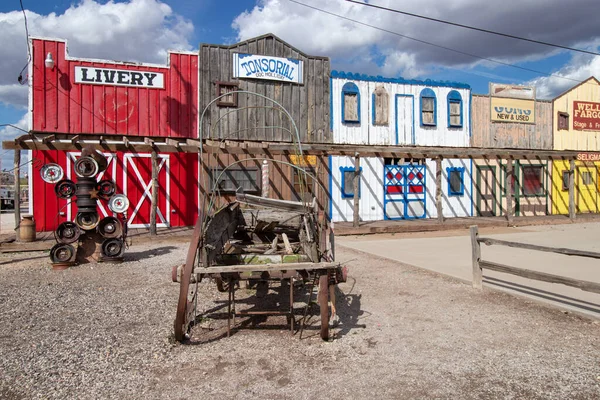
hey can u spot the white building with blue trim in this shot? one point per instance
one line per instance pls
(377, 111)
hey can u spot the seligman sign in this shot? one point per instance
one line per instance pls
(119, 77)
(265, 67)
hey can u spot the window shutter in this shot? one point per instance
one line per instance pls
(350, 107)
(382, 100)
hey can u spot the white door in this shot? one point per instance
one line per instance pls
(137, 186)
(405, 119)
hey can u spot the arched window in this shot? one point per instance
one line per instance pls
(350, 103)
(428, 107)
(455, 113)
(381, 105)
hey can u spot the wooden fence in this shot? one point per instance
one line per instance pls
(479, 264)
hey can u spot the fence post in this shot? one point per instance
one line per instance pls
(476, 252)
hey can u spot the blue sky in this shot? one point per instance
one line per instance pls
(142, 30)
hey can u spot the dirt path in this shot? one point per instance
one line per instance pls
(105, 332)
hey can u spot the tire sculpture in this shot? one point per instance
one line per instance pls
(89, 237)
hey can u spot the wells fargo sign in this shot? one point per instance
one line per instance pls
(512, 110)
(586, 116)
(265, 67)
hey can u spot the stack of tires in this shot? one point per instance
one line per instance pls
(88, 237)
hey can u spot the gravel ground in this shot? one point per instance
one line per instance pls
(105, 331)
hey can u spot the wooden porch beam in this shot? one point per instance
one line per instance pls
(507, 190)
(572, 212)
(438, 189)
(154, 199)
(356, 187)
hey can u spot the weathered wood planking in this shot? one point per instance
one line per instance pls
(541, 276)
(281, 176)
(527, 246)
(511, 135)
(308, 103)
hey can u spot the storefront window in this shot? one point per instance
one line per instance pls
(455, 118)
(228, 89)
(245, 179)
(456, 184)
(532, 180)
(428, 107)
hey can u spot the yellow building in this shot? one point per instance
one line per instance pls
(576, 126)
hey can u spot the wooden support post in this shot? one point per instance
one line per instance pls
(154, 203)
(265, 179)
(438, 190)
(355, 186)
(476, 252)
(17, 173)
(508, 191)
(572, 190)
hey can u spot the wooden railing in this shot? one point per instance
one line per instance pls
(479, 264)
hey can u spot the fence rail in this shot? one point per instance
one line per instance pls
(479, 264)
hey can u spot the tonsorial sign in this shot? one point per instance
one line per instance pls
(119, 77)
(265, 67)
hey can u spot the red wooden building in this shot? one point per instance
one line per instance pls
(116, 102)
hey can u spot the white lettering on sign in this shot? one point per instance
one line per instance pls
(265, 67)
(119, 77)
(588, 157)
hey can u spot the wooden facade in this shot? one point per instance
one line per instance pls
(510, 135)
(254, 118)
(376, 111)
(108, 103)
(117, 102)
(529, 185)
(576, 126)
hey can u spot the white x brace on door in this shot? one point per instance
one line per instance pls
(142, 205)
(112, 165)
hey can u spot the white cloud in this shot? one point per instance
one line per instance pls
(579, 68)
(8, 133)
(137, 30)
(316, 32)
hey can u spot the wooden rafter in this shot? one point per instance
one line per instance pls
(57, 141)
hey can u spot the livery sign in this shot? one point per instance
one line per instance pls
(512, 110)
(119, 77)
(265, 67)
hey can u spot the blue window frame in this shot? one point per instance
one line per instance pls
(428, 108)
(455, 110)
(347, 182)
(456, 181)
(350, 103)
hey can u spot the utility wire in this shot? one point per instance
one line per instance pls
(437, 45)
(474, 28)
(20, 78)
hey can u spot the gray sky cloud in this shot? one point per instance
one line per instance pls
(561, 22)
